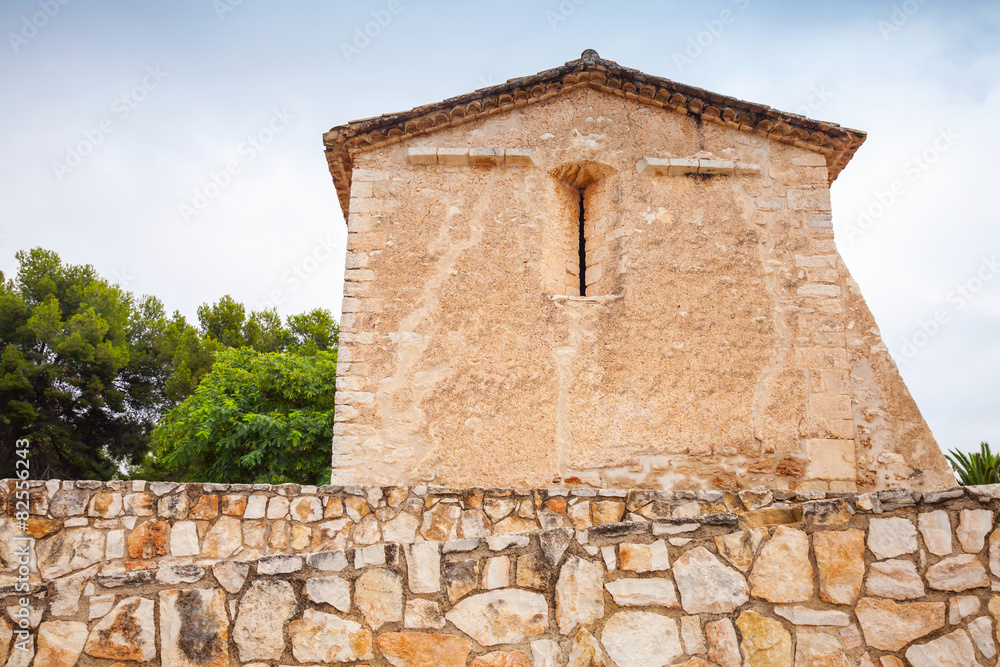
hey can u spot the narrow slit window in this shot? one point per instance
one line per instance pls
(578, 252)
(582, 246)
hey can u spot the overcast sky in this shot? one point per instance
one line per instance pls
(120, 119)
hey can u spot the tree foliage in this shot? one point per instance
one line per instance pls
(78, 372)
(87, 370)
(257, 417)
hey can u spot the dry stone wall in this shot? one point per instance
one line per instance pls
(223, 575)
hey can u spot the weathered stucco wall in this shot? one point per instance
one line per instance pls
(124, 573)
(721, 344)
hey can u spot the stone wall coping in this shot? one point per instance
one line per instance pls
(867, 501)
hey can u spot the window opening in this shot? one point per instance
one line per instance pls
(582, 249)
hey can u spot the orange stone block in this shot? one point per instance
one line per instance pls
(418, 649)
(234, 505)
(148, 540)
(206, 508)
(502, 659)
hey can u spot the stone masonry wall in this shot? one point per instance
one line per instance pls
(222, 575)
(722, 344)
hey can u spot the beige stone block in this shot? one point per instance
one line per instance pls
(783, 571)
(681, 166)
(821, 357)
(973, 525)
(802, 199)
(653, 166)
(816, 261)
(818, 289)
(365, 241)
(366, 205)
(808, 159)
(350, 384)
(358, 222)
(830, 406)
(823, 275)
(455, 157)
(842, 429)
(351, 305)
(418, 155)
(519, 157)
(830, 381)
(715, 167)
(608, 511)
(829, 306)
(486, 157)
(890, 626)
(830, 459)
(356, 260)
(496, 573)
(746, 169)
(361, 189)
(360, 174)
(638, 638)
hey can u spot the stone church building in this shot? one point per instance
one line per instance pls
(596, 277)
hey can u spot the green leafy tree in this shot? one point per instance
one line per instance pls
(982, 467)
(257, 417)
(87, 369)
(313, 331)
(77, 376)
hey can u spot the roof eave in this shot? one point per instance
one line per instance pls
(837, 144)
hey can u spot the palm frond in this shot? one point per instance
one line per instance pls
(982, 467)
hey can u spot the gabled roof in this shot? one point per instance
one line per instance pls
(836, 143)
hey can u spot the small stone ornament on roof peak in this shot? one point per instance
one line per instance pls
(589, 56)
